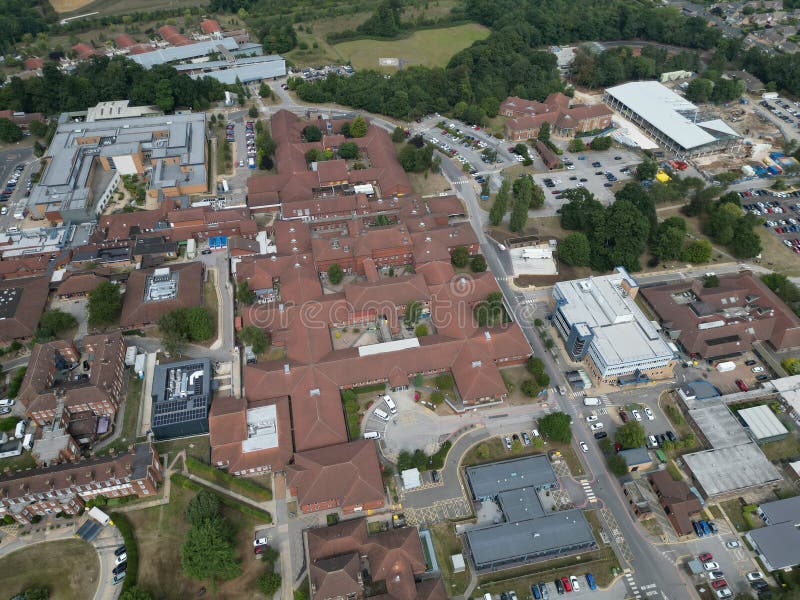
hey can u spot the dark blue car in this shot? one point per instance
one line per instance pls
(591, 582)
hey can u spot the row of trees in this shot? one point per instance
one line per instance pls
(101, 79)
(183, 325)
(208, 551)
(619, 64)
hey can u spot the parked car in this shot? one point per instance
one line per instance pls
(755, 576)
(584, 447)
(649, 414)
(670, 436)
(636, 415)
(711, 565)
(724, 593)
(591, 582)
(507, 441)
(567, 585)
(119, 551)
(757, 369)
(591, 418)
(596, 426)
(559, 586)
(600, 435)
(576, 586)
(121, 558)
(120, 568)
(705, 557)
(7, 402)
(719, 583)
(732, 544)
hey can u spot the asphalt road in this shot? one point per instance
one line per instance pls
(647, 563)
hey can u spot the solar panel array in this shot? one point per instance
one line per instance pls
(177, 407)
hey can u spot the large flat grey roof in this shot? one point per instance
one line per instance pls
(671, 114)
(723, 470)
(487, 481)
(622, 332)
(174, 53)
(246, 73)
(782, 511)
(545, 535)
(779, 544)
(520, 504)
(719, 426)
(762, 422)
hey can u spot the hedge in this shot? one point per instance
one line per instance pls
(245, 509)
(131, 548)
(243, 486)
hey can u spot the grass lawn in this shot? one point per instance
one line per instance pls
(674, 414)
(67, 568)
(494, 449)
(733, 508)
(130, 418)
(787, 448)
(160, 532)
(428, 183)
(429, 47)
(240, 485)
(716, 511)
(18, 463)
(445, 543)
(301, 593)
(600, 563)
(197, 447)
(114, 7)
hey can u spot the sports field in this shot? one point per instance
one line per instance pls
(116, 7)
(429, 47)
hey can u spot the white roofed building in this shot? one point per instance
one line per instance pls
(670, 119)
(601, 324)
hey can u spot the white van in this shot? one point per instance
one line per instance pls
(487, 596)
(372, 435)
(381, 415)
(390, 403)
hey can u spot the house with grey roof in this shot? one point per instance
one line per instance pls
(778, 544)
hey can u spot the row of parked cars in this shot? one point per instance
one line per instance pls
(11, 184)
(523, 437)
(541, 591)
(120, 565)
(792, 111)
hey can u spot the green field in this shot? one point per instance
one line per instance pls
(68, 568)
(429, 47)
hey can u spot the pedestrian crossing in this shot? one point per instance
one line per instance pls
(605, 405)
(460, 181)
(588, 492)
(632, 584)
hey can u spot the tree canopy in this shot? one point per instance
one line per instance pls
(208, 553)
(459, 256)
(54, 322)
(575, 250)
(205, 506)
(631, 435)
(335, 274)
(500, 206)
(556, 426)
(182, 325)
(491, 311)
(254, 336)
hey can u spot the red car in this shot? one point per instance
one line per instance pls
(719, 583)
(705, 557)
(742, 385)
(566, 584)
(624, 416)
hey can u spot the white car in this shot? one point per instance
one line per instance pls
(711, 565)
(121, 559)
(4, 210)
(7, 402)
(755, 576)
(724, 593)
(591, 418)
(570, 167)
(732, 544)
(758, 369)
(636, 415)
(584, 447)
(260, 542)
(649, 413)
(575, 585)
(596, 426)
(507, 441)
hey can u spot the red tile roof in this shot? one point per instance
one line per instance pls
(210, 26)
(347, 473)
(123, 40)
(135, 311)
(30, 299)
(79, 283)
(84, 50)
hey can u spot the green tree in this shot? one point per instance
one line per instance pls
(182, 325)
(556, 426)
(269, 584)
(54, 322)
(698, 251)
(252, 112)
(413, 311)
(264, 90)
(529, 388)
(459, 256)
(721, 223)
(523, 192)
(576, 145)
(668, 239)
(358, 128)
(421, 330)
(710, 281)
(348, 150)
(312, 133)
(602, 142)
(500, 205)
(745, 242)
(699, 90)
(398, 135)
(164, 96)
(617, 465)
(208, 554)
(544, 132)
(105, 304)
(244, 294)
(38, 128)
(36, 594)
(575, 250)
(335, 274)
(9, 131)
(646, 170)
(631, 435)
(792, 365)
(252, 335)
(477, 264)
(205, 506)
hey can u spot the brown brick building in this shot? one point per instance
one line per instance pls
(67, 487)
(527, 117)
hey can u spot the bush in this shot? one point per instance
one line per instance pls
(16, 382)
(335, 274)
(421, 330)
(477, 264)
(529, 388)
(459, 256)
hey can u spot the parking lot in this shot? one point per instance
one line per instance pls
(599, 172)
(781, 211)
(785, 110)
